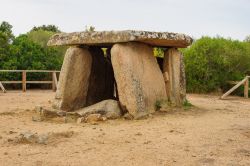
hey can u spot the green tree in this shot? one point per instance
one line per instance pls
(40, 36)
(51, 28)
(89, 28)
(28, 51)
(247, 39)
(6, 37)
(6, 29)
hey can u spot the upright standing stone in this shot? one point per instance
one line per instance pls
(74, 79)
(139, 79)
(174, 76)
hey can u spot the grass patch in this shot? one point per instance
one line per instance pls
(161, 104)
(187, 105)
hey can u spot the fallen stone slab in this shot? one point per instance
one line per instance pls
(106, 109)
(108, 38)
(29, 137)
(46, 113)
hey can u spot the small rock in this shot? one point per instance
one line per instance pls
(27, 137)
(10, 140)
(61, 113)
(42, 139)
(71, 117)
(38, 108)
(93, 118)
(128, 116)
(104, 118)
(27, 110)
(93, 123)
(12, 132)
(80, 120)
(34, 138)
(48, 113)
(147, 142)
(138, 134)
(5, 153)
(43, 113)
(37, 118)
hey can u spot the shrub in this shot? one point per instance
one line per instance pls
(211, 62)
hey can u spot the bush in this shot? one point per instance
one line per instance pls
(211, 62)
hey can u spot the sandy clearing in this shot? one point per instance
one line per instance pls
(216, 132)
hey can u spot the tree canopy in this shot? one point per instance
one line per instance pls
(211, 62)
(28, 51)
(50, 28)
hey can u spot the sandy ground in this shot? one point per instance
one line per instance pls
(215, 132)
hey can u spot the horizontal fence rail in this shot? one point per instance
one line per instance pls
(237, 84)
(24, 80)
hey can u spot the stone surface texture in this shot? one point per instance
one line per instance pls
(139, 79)
(108, 108)
(74, 79)
(108, 38)
(86, 78)
(174, 76)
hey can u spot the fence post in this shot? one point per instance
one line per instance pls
(246, 88)
(2, 87)
(233, 88)
(24, 80)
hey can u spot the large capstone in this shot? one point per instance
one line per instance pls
(74, 79)
(174, 76)
(108, 38)
(139, 79)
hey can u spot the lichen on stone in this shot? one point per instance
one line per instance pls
(108, 38)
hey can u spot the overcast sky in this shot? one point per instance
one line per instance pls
(227, 18)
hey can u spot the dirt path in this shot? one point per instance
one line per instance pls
(216, 132)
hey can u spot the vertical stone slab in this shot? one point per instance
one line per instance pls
(139, 79)
(174, 76)
(101, 82)
(74, 79)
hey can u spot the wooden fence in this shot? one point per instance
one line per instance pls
(244, 82)
(24, 80)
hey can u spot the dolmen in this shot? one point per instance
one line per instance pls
(108, 70)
